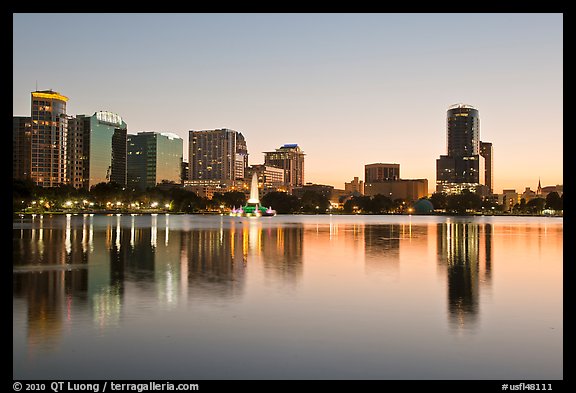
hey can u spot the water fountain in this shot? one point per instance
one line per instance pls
(253, 207)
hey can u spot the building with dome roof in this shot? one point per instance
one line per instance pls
(423, 206)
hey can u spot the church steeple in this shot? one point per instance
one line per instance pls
(539, 189)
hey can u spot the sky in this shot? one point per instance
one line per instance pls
(349, 88)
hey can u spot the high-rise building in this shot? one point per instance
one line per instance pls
(217, 155)
(154, 158)
(289, 157)
(119, 166)
(463, 167)
(21, 147)
(75, 151)
(97, 149)
(374, 173)
(486, 151)
(48, 147)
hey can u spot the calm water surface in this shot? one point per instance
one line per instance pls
(287, 297)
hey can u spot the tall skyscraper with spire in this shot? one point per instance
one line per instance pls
(468, 162)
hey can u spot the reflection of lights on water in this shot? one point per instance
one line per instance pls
(118, 231)
(333, 229)
(107, 306)
(221, 233)
(169, 286)
(132, 232)
(154, 231)
(84, 234)
(67, 242)
(68, 307)
(91, 233)
(254, 234)
(167, 230)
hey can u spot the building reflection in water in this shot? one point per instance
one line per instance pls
(281, 250)
(381, 248)
(465, 251)
(50, 269)
(65, 267)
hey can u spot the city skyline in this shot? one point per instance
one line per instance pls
(350, 89)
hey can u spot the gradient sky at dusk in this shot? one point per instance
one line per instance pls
(350, 89)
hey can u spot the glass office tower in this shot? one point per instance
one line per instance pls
(101, 139)
(463, 167)
(154, 158)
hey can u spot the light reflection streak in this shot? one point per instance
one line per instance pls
(167, 230)
(67, 242)
(154, 233)
(117, 232)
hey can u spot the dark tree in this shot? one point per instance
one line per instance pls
(358, 203)
(313, 202)
(554, 202)
(380, 204)
(535, 205)
(439, 200)
(281, 202)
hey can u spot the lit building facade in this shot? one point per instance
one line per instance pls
(268, 176)
(289, 157)
(154, 158)
(356, 186)
(463, 167)
(384, 179)
(406, 189)
(97, 149)
(508, 199)
(49, 128)
(219, 154)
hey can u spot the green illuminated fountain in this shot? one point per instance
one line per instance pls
(253, 207)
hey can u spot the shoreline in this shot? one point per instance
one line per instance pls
(151, 212)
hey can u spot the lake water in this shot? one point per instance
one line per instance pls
(287, 297)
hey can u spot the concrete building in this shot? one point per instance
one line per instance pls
(289, 157)
(385, 179)
(356, 186)
(269, 179)
(219, 154)
(49, 129)
(406, 189)
(381, 172)
(508, 199)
